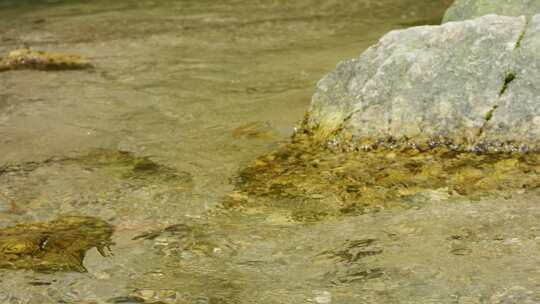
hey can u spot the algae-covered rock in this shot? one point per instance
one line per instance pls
(38, 60)
(470, 9)
(309, 183)
(58, 245)
(470, 85)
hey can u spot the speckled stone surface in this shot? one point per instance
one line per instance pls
(472, 83)
(469, 9)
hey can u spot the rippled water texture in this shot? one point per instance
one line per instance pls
(183, 96)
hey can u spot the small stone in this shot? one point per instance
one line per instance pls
(101, 275)
(323, 297)
(147, 293)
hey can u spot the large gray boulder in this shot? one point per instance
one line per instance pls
(473, 85)
(469, 9)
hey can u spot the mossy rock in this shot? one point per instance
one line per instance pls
(311, 183)
(25, 58)
(58, 245)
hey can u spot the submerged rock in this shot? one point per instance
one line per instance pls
(58, 245)
(38, 60)
(120, 164)
(470, 9)
(471, 85)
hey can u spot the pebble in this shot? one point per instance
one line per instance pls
(323, 297)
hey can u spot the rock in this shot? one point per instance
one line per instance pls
(469, 85)
(470, 9)
(517, 117)
(58, 245)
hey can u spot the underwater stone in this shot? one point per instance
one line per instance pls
(470, 9)
(471, 85)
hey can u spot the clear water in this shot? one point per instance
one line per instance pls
(203, 88)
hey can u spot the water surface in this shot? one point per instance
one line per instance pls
(202, 88)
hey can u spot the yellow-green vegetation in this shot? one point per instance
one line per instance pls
(311, 182)
(58, 245)
(25, 58)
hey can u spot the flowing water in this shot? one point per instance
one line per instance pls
(183, 96)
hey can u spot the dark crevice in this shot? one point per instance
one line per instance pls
(520, 38)
(522, 35)
(489, 114)
(507, 80)
(511, 76)
(487, 118)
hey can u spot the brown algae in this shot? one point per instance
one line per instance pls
(58, 245)
(310, 182)
(25, 58)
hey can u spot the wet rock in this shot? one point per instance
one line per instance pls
(471, 85)
(38, 60)
(470, 9)
(58, 245)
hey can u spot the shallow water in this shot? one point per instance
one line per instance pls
(201, 89)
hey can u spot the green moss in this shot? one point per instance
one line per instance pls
(58, 245)
(520, 38)
(489, 114)
(507, 80)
